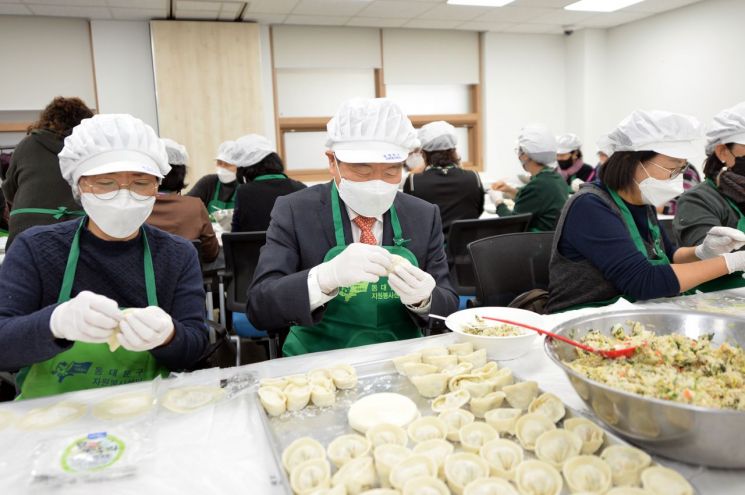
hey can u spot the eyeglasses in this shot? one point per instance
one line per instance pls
(674, 172)
(106, 189)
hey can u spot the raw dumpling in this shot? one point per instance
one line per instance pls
(384, 434)
(344, 376)
(441, 362)
(503, 457)
(626, 464)
(425, 485)
(434, 351)
(476, 358)
(474, 435)
(476, 388)
(347, 447)
(461, 348)
(273, 400)
(301, 450)
(437, 450)
(310, 476)
(430, 386)
(337, 490)
(458, 369)
(386, 458)
(453, 400)
(538, 478)
(279, 383)
(520, 395)
(357, 475)
(322, 396)
(663, 481)
(379, 491)
(490, 486)
(548, 404)
(556, 446)
(629, 490)
(501, 379)
(320, 375)
(399, 361)
(530, 426)
(588, 474)
(412, 467)
(488, 370)
(298, 380)
(481, 405)
(592, 436)
(298, 396)
(463, 468)
(418, 369)
(503, 420)
(455, 420)
(427, 428)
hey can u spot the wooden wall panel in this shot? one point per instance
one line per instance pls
(208, 85)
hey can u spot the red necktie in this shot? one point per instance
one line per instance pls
(365, 224)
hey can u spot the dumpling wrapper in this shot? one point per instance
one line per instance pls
(375, 409)
(190, 399)
(51, 416)
(124, 406)
(113, 338)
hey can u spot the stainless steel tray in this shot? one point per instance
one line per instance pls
(325, 424)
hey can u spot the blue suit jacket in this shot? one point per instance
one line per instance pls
(300, 234)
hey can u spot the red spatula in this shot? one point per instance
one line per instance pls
(610, 353)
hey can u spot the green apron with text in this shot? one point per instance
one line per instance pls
(216, 205)
(733, 280)
(85, 365)
(365, 313)
(660, 257)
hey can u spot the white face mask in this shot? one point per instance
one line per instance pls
(119, 217)
(225, 176)
(369, 198)
(657, 192)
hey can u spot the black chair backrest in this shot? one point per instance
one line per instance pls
(241, 257)
(463, 232)
(508, 265)
(667, 226)
(198, 246)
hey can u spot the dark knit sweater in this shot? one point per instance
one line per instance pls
(31, 277)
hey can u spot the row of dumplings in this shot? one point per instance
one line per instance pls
(295, 392)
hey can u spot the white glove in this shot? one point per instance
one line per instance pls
(735, 261)
(87, 317)
(357, 263)
(497, 197)
(576, 183)
(224, 218)
(413, 286)
(143, 329)
(718, 241)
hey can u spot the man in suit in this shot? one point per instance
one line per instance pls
(353, 261)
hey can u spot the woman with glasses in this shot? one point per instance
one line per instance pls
(608, 242)
(720, 200)
(102, 300)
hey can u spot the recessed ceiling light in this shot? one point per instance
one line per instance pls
(481, 3)
(601, 5)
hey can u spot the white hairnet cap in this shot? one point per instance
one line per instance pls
(366, 130)
(110, 143)
(437, 136)
(536, 141)
(176, 152)
(667, 133)
(223, 150)
(728, 127)
(605, 145)
(251, 149)
(568, 143)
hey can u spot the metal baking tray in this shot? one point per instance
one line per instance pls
(325, 424)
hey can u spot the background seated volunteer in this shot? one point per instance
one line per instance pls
(330, 247)
(458, 193)
(608, 242)
(33, 186)
(569, 158)
(546, 192)
(265, 182)
(183, 216)
(217, 191)
(63, 287)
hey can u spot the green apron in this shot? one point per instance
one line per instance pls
(87, 365)
(660, 257)
(365, 313)
(58, 213)
(733, 280)
(215, 204)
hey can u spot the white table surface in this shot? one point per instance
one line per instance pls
(223, 449)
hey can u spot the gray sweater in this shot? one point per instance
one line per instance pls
(699, 209)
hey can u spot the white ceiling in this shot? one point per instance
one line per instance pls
(521, 16)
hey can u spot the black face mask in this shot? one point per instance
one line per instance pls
(565, 164)
(739, 166)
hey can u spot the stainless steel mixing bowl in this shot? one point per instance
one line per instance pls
(697, 435)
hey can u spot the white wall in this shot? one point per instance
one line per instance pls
(523, 82)
(124, 69)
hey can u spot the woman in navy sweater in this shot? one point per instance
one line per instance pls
(608, 243)
(64, 288)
